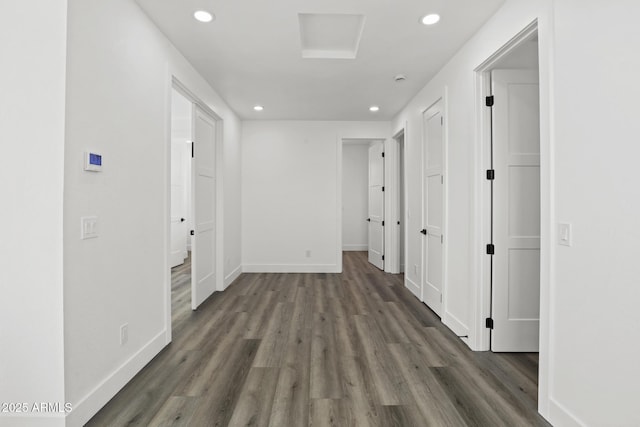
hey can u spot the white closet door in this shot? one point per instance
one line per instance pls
(376, 205)
(516, 211)
(204, 209)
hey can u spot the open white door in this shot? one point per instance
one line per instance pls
(178, 206)
(376, 204)
(433, 208)
(516, 211)
(203, 186)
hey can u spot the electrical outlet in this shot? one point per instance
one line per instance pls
(124, 334)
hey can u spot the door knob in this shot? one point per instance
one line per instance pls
(368, 219)
(182, 220)
(424, 231)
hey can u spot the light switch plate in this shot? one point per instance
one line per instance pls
(564, 234)
(88, 227)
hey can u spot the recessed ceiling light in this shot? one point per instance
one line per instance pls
(258, 108)
(203, 16)
(431, 19)
(374, 108)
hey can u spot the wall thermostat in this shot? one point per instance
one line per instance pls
(92, 162)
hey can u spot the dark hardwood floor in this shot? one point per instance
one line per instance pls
(351, 349)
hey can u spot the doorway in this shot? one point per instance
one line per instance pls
(193, 201)
(512, 196)
(180, 206)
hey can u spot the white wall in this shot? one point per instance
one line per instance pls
(455, 83)
(589, 295)
(291, 192)
(118, 103)
(355, 187)
(32, 83)
(595, 315)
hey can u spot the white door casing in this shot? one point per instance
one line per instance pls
(376, 204)
(433, 211)
(203, 186)
(516, 211)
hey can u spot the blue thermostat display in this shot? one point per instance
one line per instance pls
(92, 162)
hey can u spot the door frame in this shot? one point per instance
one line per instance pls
(340, 140)
(482, 187)
(175, 83)
(480, 227)
(392, 184)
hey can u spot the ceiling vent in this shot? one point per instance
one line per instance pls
(330, 35)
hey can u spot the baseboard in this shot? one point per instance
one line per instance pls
(456, 325)
(358, 248)
(415, 289)
(232, 276)
(290, 268)
(560, 416)
(88, 406)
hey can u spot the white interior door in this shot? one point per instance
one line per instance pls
(516, 211)
(204, 196)
(376, 204)
(178, 208)
(433, 208)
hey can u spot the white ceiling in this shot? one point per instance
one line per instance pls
(251, 53)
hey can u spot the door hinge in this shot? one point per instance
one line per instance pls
(193, 149)
(491, 174)
(441, 179)
(488, 323)
(489, 101)
(382, 188)
(398, 222)
(440, 297)
(442, 238)
(383, 223)
(491, 249)
(192, 232)
(383, 154)
(441, 120)
(383, 257)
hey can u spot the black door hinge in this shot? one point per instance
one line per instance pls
(489, 101)
(488, 323)
(491, 249)
(383, 154)
(383, 257)
(193, 149)
(383, 223)
(192, 232)
(382, 188)
(491, 174)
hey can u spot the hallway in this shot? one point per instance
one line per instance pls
(322, 349)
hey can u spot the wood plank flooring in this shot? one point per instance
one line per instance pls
(350, 349)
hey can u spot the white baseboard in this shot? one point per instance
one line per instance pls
(358, 248)
(560, 416)
(415, 289)
(232, 276)
(290, 268)
(88, 406)
(456, 325)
